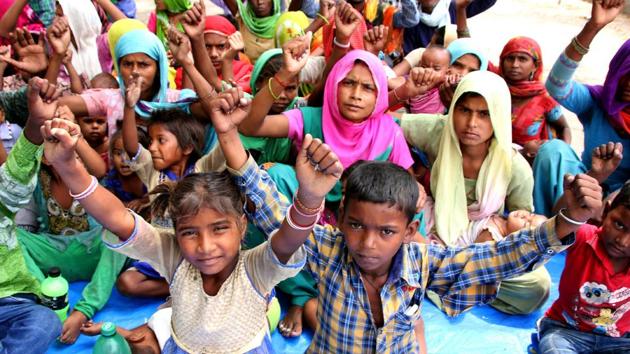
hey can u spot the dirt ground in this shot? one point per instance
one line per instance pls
(550, 22)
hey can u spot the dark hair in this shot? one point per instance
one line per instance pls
(188, 130)
(623, 197)
(383, 182)
(272, 66)
(143, 139)
(214, 190)
(467, 95)
(104, 80)
(439, 35)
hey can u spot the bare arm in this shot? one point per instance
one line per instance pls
(111, 10)
(562, 127)
(231, 4)
(94, 164)
(295, 54)
(462, 18)
(603, 12)
(9, 20)
(193, 22)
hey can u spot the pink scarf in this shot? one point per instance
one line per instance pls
(357, 141)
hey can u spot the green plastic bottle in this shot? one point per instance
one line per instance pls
(55, 293)
(110, 342)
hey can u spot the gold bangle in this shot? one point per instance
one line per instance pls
(582, 50)
(271, 90)
(323, 18)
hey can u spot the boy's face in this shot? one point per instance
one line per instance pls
(94, 129)
(616, 233)
(374, 233)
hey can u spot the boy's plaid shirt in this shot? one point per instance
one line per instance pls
(462, 277)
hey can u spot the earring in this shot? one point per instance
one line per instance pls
(531, 76)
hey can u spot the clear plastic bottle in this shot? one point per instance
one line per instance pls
(55, 293)
(110, 342)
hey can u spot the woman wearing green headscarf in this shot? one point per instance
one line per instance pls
(272, 149)
(257, 21)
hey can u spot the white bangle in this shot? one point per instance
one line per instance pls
(295, 226)
(88, 191)
(568, 219)
(340, 45)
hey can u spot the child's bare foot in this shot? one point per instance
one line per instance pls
(291, 324)
(91, 328)
(72, 327)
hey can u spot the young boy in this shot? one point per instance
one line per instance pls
(372, 278)
(25, 326)
(590, 313)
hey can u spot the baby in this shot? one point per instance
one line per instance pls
(495, 227)
(436, 58)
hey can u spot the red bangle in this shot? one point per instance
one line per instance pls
(280, 82)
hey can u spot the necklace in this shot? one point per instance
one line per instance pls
(377, 288)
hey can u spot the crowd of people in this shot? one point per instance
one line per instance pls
(357, 156)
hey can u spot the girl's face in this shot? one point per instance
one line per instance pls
(356, 94)
(164, 148)
(216, 46)
(210, 241)
(119, 156)
(518, 67)
(623, 90)
(471, 120)
(286, 96)
(94, 129)
(139, 64)
(465, 64)
(262, 8)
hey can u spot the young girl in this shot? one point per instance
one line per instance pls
(536, 117)
(57, 232)
(208, 274)
(476, 173)
(267, 149)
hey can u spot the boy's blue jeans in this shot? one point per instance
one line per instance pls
(555, 338)
(25, 326)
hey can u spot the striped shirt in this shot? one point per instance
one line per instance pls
(462, 276)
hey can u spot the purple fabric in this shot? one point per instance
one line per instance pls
(605, 95)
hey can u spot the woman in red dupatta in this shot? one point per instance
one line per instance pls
(536, 117)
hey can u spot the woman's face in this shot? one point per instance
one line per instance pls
(518, 67)
(142, 65)
(471, 121)
(465, 64)
(356, 94)
(262, 8)
(623, 90)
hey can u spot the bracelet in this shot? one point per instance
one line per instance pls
(323, 18)
(271, 90)
(340, 45)
(396, 95)
(310, 211)
(88, 191)
(294, 225)
(568, 219)
(582, 50)
(297, 203)
(280, 82)
(463, 33)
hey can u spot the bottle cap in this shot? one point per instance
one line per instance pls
(54, 272)
(108, 329)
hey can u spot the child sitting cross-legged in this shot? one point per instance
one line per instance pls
(219, 294)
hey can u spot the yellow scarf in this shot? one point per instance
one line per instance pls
(452, 214)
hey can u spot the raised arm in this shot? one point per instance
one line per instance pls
(9, 20)
(113, 12)
(180, 47)
(419, 81)
(347, 20)
(129, 131)
(58, 35)
(194, 21)
(236, 44)
(62, 138)
(462, 18)
(258, 123)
